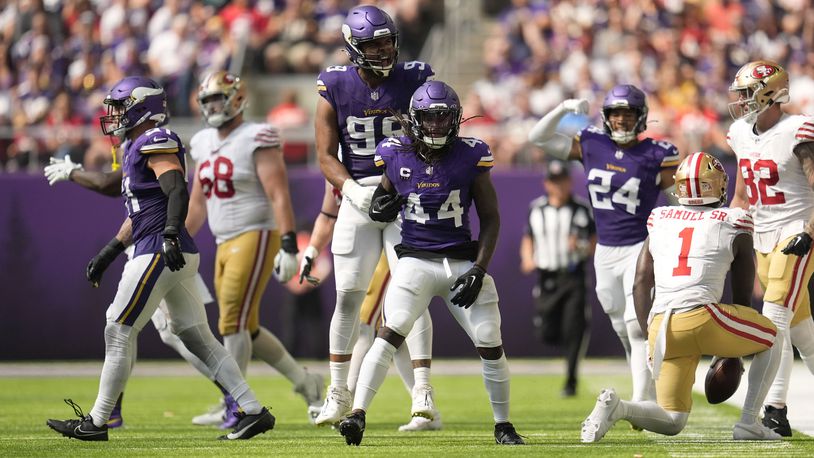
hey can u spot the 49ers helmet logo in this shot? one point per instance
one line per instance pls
(762, 71)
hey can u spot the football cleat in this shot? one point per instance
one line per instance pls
(311, 389)
(353, 428)
(423, 424)
(214, 417)
(249, 426)
(230, 414)
(82, 429)
(505, 434)
(423, 405)
(775, 419)
(115, 420)
(754, 432)
(336, 407)
(601, 418)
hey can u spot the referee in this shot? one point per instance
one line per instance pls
(560, 236)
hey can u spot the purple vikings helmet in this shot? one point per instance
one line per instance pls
(435, 114)
(625, 96)
(132, 101)
(367, 23)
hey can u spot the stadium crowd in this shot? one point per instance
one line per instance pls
(58, 58)
(681, 53)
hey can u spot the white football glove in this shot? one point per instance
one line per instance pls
(360, 196)
(307, 263)
(60, 169)
(285, 266)
(576, 106)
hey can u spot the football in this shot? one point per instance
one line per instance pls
(723, 378)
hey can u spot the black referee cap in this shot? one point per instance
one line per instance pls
(556, 169)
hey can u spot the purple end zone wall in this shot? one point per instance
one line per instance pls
(49, 310)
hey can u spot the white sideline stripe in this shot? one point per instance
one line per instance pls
(801, 392)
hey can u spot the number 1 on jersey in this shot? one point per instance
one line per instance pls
(683, 269)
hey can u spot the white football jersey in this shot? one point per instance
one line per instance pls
(692, 253)
(780, 197)
(235, 199)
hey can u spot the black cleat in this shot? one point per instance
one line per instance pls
(82, 429)
(775, 419)
(249, 426)
(353, 428)
(505, 434)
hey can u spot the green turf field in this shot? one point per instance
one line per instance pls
(157, 413)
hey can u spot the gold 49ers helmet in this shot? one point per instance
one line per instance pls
(701, 180)
(758, 85)
(221, 96)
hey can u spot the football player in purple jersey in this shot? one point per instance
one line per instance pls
(353, 115)
(163, 267)
(431, 178)
(625, 175)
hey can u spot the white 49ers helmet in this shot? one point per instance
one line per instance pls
(221, 96)
(701, 180)
(758, 85)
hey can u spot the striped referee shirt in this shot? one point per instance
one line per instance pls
(550, 228)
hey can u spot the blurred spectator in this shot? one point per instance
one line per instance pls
(288, 114)
(536, 53)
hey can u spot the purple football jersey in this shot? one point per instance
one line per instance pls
(145, 201)
(436, 215)
(623, 184)
(363, 114)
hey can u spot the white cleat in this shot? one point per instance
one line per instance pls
(423, 404)
(423, 424)
(601, 418)
(336, 407)
(311, 390)
(214, 417)
(754, 432)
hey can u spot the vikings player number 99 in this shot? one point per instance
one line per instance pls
(364, 130)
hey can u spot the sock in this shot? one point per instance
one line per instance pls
(220, 387)
(363, 344)
(404, 366)
(644, 388)
(780, 386)
(802, 337)
(496, 380)
(419, 339)
(345, 323)
(200, 341)
(422, 376)
(650, 416)
(268, 347)
(619, 325)
(339, 373)
(172, 341)
(239, 345)
(765, 364)
(374, 370)
(115, 371)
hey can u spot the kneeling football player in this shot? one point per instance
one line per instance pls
(685, 258)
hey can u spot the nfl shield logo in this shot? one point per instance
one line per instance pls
(428, 171)
(619, 154)
(374, 95)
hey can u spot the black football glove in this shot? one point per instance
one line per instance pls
(173, 258)
(800, 245)
(470, 282)
(100, 262)
(386, 208)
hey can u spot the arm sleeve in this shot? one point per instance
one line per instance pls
(175, 188)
